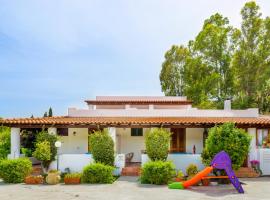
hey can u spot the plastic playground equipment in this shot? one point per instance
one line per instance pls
(221, 161)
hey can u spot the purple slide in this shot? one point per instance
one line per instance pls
(223, 161)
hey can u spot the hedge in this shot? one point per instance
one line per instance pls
(14, 171)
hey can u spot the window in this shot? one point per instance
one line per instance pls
(136, 132)
(62, 131)
(263, 138)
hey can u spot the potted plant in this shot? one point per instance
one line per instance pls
(180, 176)
(72, 178)
(33, 180)
(53, 177)
(192, 170)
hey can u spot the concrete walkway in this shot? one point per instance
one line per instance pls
(128, 188)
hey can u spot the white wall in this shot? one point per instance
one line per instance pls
(181, 161)
(194, 136)
(127, 143)
(75, 143)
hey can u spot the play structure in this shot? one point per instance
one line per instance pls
(221, 161)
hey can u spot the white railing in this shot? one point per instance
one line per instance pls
(181, 161)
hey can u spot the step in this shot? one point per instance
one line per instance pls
(131, 171)
(246, 172)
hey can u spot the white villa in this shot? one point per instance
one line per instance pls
(129, 117)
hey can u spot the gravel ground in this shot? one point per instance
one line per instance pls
(127, 188)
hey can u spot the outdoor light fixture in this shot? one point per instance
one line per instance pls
(74, 133)
(57, 144)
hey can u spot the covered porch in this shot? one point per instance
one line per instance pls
(129, 135)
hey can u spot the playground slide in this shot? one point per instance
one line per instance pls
(221, 161)
(197, 178)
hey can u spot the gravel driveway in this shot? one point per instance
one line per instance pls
(127, 188)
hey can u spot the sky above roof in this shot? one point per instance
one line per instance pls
(59, 53)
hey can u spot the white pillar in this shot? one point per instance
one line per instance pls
(52, 131)
(15, 143)
(253, 148)
(112, 133)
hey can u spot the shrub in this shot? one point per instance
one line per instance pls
(157, 143)
(14, 171)
(4, 142)
(157, 172)
(43, 152)
(192, 170)
(102, 147)
(98, 173)
(45, 136)
(227, 138)
(73, 175)
(26, 151)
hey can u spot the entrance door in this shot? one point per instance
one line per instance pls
(178, 141)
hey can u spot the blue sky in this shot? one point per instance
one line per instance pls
(59, 53)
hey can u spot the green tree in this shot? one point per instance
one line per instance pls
(50, 113)
(43, 153)
(102, 147)
(247, 61)
(157, 143)
(45, 114)
(4, 142)
(222, 62)
(230, 139)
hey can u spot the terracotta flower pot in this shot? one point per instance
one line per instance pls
(178, 179)
(70, 181)
(33, 180)
(205, 182)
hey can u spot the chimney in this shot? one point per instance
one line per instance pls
(227, 104)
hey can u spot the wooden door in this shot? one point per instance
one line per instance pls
(178, 140)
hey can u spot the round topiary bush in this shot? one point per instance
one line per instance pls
(157, 143)
(43, 152)
(227, 138)
(14, 171)
(157, 172)
(102, 147)
(98, 173)
(44, 136)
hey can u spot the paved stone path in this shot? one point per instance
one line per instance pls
(128, 188)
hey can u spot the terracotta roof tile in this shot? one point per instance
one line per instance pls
(262, 120)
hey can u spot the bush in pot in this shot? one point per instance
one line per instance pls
(98, 173)
(157, 172)
(14, 171)
(72, 178)
(157, 143)
(102, 147)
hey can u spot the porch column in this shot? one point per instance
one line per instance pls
(15, 143)
(253, 149)
(112, 133)
(52, 131)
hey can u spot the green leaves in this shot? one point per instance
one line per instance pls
(102, 147)
(43, 151)
(157, 143)
(157, 172)
(4, 142)
(222, 62)
(98, 173)
(230, 139)
(14, 171)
